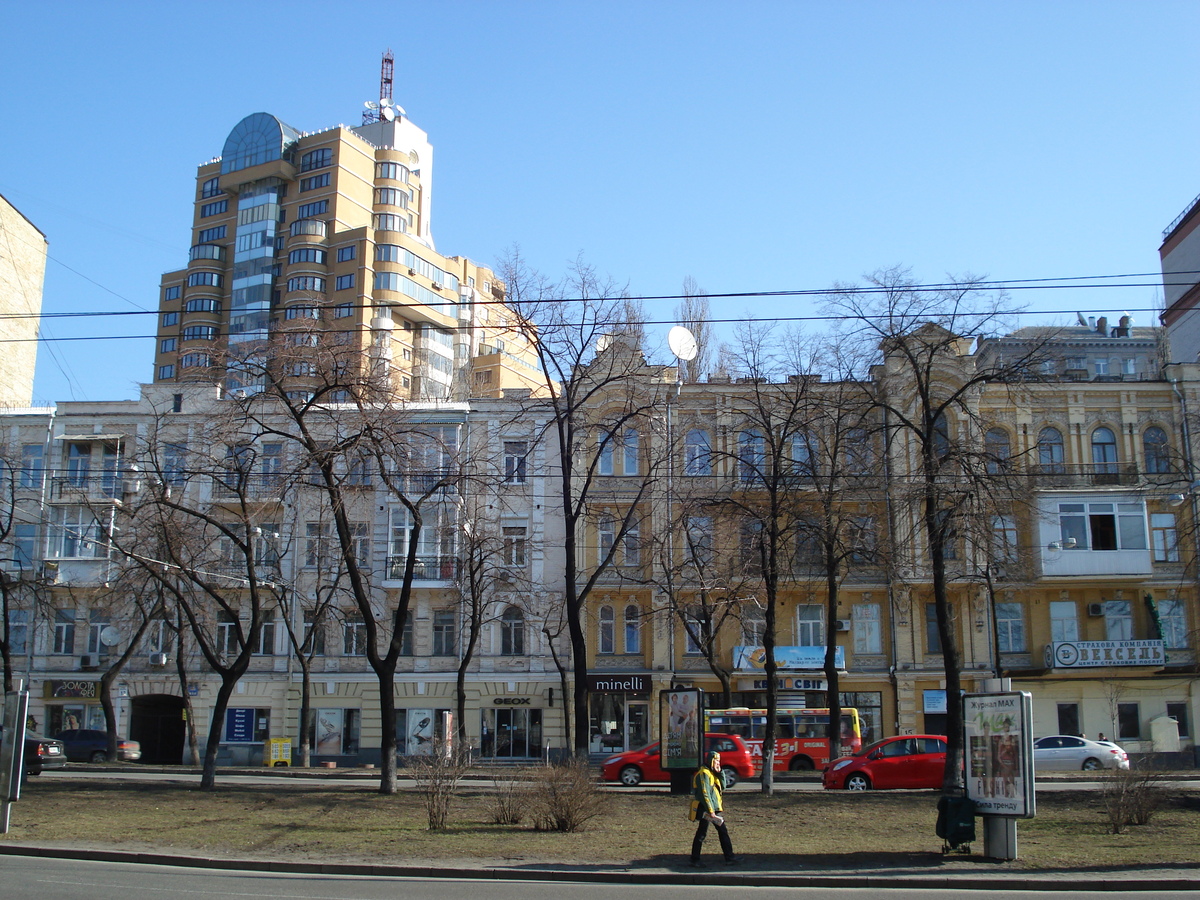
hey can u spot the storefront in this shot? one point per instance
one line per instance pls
(620, 712)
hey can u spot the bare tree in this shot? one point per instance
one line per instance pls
(603, 400)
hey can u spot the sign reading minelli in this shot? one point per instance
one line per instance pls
(1082, 654)
(611, 684)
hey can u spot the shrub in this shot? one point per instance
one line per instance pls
(437, 776)
(1132, 797)
(565, 797)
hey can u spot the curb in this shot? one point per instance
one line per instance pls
(1064, 881)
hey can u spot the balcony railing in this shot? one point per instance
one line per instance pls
(425, 568)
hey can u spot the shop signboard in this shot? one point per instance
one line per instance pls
(998, 742)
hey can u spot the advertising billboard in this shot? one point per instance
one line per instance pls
(998, 730)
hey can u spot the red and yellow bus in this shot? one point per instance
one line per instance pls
(801, 743)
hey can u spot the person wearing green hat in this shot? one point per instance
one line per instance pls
(706, 791)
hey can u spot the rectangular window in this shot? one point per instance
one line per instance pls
(1164, 537)
(345, 254)
(1010, 627)
(514, 547)
(1179, 712)
(1064, 621)
(343, 282)
(308, 210)
(868, 630)
(1118, 620)
(933, 637)
(515, 455)
(443, 633)
(173, 292)
(1172, 616)
(214, 209)
(810, 625)
(64, 631)
(314, 181)
(1129, 721)
(31, 465)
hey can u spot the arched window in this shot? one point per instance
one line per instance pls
(998, 450)
(606, 630)
(751, 455)
(1104, 451)
(1158, 454)
(512, 632)
(1050, 451)
(633, 629)
(697, 453)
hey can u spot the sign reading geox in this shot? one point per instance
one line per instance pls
(1082, 654)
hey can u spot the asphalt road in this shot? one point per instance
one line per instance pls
(59, 879)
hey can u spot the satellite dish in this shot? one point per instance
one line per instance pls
(110, 635)
(388, 113)
(371, 104)
(682, 343)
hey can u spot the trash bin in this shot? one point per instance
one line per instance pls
(955, 822)
(277, 752)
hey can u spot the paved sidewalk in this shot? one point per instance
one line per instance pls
(940, 873)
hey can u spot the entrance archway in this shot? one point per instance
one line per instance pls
(156, 722)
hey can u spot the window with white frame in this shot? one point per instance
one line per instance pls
(515, 455)
(1010, 627)
(1164, 537)
(697, 453)
(1064, 620)
(515, 537)
(1118, 620)
(606, 626)
(633, 628)
(867, 627)
(1100, 526)
(810, 625)
(1172, 616)
(512, 632)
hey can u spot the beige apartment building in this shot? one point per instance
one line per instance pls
(312, 244)
(22, 273)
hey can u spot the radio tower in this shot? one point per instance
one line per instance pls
(385, 89)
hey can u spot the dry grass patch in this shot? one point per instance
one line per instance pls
(802, 830)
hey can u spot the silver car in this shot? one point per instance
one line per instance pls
(1066, 752)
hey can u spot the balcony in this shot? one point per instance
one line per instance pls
(425, 568)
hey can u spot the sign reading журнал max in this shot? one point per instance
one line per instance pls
(1080, 654)
(999, 747)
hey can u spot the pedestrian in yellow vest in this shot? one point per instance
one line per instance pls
(706, 791)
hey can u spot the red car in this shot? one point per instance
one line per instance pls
(633, 767)
(903, 761)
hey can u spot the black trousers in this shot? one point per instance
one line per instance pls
(702, 832)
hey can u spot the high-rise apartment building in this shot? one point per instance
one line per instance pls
(22, 270)
(308, 248)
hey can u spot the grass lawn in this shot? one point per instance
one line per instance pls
(793, 831)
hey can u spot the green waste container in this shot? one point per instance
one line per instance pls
(955, 822)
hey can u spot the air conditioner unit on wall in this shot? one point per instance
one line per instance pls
(158, 659)
(843, 624)
(1095, 609)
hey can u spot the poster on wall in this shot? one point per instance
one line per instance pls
(329, 731)
(420, 732)
(998, 731)
(681, 716)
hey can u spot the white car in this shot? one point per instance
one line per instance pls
(1066, 752)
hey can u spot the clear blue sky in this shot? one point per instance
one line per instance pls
(753, 145)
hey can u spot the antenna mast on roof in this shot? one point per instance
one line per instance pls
(374, 111)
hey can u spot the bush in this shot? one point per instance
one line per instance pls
(1132, 797)
(511, 798)
(437, 777)
(565, 797)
